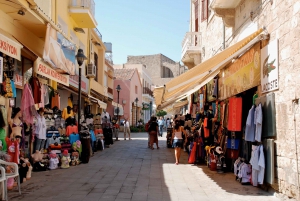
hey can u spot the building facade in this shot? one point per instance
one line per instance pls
(147, 95)
(130, 95)
(215, 26)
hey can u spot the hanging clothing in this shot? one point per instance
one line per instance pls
(28, 106)
(2, 138)
(36, 89)
(258, 165)
(59, 122)
(74, 137)
(71, 129)
(66, 114)
(250, 126)
(13, 87)
(42, 104)
(258, 118)
(235, 114)
(13, 150)
(55, 101)
(40, 127)
(46, 94)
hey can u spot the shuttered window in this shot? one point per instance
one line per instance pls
(204, 10)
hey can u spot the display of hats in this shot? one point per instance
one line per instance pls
(219, 150)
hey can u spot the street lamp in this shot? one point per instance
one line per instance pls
(80, 57)
(136, 101)
(118, 90)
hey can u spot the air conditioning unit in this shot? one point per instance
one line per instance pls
(120, 111)
(91, 71)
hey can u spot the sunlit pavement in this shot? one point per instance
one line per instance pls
(128, 170)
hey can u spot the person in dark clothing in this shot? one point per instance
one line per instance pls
(153, 132)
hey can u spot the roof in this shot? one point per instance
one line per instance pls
(124, 74)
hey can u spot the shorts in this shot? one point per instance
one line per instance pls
(177, 143)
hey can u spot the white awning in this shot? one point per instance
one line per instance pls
(9, 45)
(99, 102)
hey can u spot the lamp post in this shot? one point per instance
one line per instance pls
(118, 90)
(136, 101)
(80, 57)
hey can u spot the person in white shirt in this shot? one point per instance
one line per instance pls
(126, 129)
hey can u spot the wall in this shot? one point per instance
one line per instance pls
(123, 96)
(154, 64)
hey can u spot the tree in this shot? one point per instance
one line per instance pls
(161, 113)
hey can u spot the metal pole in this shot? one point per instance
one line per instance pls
(79, 99)
(118, 109)
(136, 114)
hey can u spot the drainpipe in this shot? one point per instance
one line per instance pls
(296, 101)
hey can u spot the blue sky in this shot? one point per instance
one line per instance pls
(143, 27)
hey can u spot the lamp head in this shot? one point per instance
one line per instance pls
(80, 57)
(118, 88)
(136, 100)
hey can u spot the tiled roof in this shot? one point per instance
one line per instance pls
(124, 74)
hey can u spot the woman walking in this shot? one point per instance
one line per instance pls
(177, 138)
(153, 132)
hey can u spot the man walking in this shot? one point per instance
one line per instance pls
(126, 129)
(161, 124)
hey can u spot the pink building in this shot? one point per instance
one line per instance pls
(131, 88)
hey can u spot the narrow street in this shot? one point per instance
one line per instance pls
(128, 170)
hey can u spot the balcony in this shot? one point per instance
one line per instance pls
(83, 13)
(98, 33)
(191, 49)
(226, 10)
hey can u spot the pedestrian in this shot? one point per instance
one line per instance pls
(168, 122)
(126, 129)
(153, 132)
(116, 130)
(161, 124)
(177, 138)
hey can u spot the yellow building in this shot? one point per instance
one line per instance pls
(44, 36)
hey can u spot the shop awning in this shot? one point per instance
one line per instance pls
(99, 102)
(180, 103)
(202, 73)
(117, 105)
(9, 45)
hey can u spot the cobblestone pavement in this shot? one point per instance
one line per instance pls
(128, 170)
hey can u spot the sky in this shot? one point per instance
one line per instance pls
(143, 27)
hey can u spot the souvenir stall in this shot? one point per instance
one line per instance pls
(237, 122)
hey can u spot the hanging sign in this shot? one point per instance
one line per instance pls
(43, 69)
(241, 75)
(10, 47)
(269, 67)
(59, 52)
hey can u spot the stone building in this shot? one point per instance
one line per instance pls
(161, 68)
(216, 25)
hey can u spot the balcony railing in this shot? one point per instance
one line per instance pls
(146, 90)
(90, 4)
(98, 33)
(191, 41)
(109, 58)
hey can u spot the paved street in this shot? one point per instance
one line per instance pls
(128, 170)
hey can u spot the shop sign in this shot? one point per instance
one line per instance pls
(59, 52)
(269, 67)
(1, 69)
(241, 75)
(74, 81)
(10, 47)
(43, 69)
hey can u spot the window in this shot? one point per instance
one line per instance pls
(167, 73)
(196, 6)
(204, 10)
(136, 89)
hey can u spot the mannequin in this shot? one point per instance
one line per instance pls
(53, 162)
(16, 124)
(40, 130)
(67, 112)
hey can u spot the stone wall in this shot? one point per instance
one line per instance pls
(154, 64)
